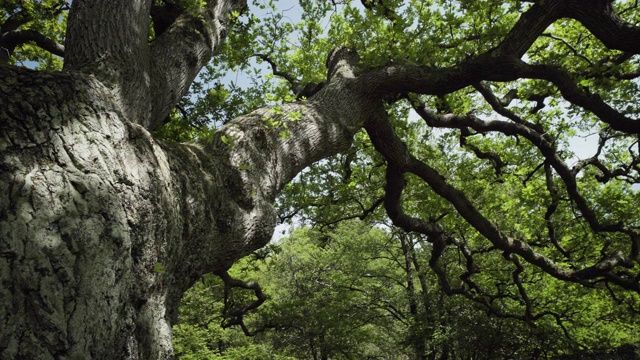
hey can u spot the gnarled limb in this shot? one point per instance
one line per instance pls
(234, 315)
(400, 161)
(181, 51)
(601, 20)
(12, 39)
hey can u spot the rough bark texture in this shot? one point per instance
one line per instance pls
(104, 228)
(88, 214)
(94, 206)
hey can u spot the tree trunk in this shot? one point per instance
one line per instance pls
(89, 209)
(416, 333)
(102, 228)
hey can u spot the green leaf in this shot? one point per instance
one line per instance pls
(158, 268)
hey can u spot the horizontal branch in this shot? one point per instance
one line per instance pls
(12, 39)
(581, 97)
(400, 161)
(599, 17)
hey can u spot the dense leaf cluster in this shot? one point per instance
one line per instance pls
(363, 292)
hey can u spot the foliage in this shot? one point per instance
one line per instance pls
(502, 174)
(47, 17)
(527, 199)
(346, 293)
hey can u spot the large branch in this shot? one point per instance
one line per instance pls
(581, 97)
(500, 64)
(228, 184)
(599, 17)
(544, 145)
(503, 62)
(12, 39)
(12, 36)
(151, 78)
(401, 160)
(14, 21)
(107, 31)
(273, 145)
(181, 51)
(396, 153)
(496, 64)
(108, 39)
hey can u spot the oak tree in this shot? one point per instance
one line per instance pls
(103, 225)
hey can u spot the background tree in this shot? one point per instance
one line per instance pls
(355, 292)
(103, 226)
(334, 295)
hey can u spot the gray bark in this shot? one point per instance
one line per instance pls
(103, 228)
(87, 212)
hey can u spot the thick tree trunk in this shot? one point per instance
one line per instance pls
(88, 209)
(102, 228)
